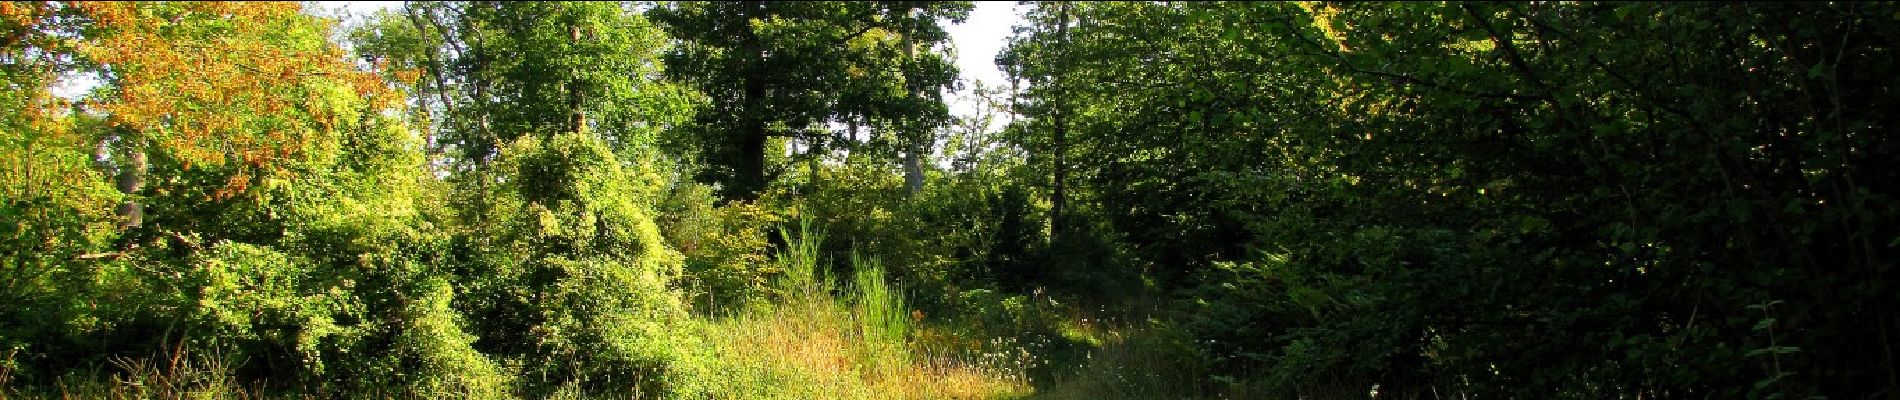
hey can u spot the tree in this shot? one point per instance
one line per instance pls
(491, 72)
(787, 70)
(1490, 197)
(556, 108)
(260, 176)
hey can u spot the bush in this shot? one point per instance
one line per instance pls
(577, 289)
(431, 347)
(267, 306)
(724, 246)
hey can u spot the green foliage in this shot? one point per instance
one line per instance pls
(788, 69)
(724, 245)
(1233, 200)
(1488, 198)
(54, 207)
(261, 303)
(336, 255)
(1154, 362)
(486, 73)
(861, 207)
(577, 289)
(801, 275)
(879, 305)
(435, 354)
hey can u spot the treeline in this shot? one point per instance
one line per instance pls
(1522, 200)
(477, 199)
(511, 199)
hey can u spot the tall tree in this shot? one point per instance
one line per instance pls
(491, 72)
(1039, 57)
(224, 96)
(555, 107)
(260, 172)
(793, 69)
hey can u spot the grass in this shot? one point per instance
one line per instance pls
(817, 349)
(820, 339)
(857, 345)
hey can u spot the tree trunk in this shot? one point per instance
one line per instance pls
(813, 156)
(131, 179)
(914, 170)
(1059, 197)
(435, 71)
(750, 165)
(918, 139)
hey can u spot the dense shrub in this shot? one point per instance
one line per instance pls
(724, 245)
(579, 290)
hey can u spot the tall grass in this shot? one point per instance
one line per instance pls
(855, 345)
(879, 305)
(801, 277)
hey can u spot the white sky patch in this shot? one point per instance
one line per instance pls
(72, 86)
(364, 8)
(977, 41)
(979, 38)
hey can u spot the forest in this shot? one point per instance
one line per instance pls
(803, 200)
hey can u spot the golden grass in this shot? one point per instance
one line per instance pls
(813, 350)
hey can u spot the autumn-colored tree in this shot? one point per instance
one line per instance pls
(217, 84)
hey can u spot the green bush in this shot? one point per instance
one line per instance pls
(802, 275)
(430, 354)
(724, 246)
(577, 290)
(266, 305)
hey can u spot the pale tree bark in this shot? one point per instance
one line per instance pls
(128, 168)
(918, 140)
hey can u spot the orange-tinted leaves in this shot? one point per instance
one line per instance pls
(217, 81)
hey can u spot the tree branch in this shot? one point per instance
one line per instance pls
(1392, 76)
(1511, 54)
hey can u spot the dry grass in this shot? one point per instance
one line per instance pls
(809, 350)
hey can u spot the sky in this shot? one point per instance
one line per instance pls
(980, 37)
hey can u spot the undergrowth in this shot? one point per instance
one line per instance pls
(821, 339)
